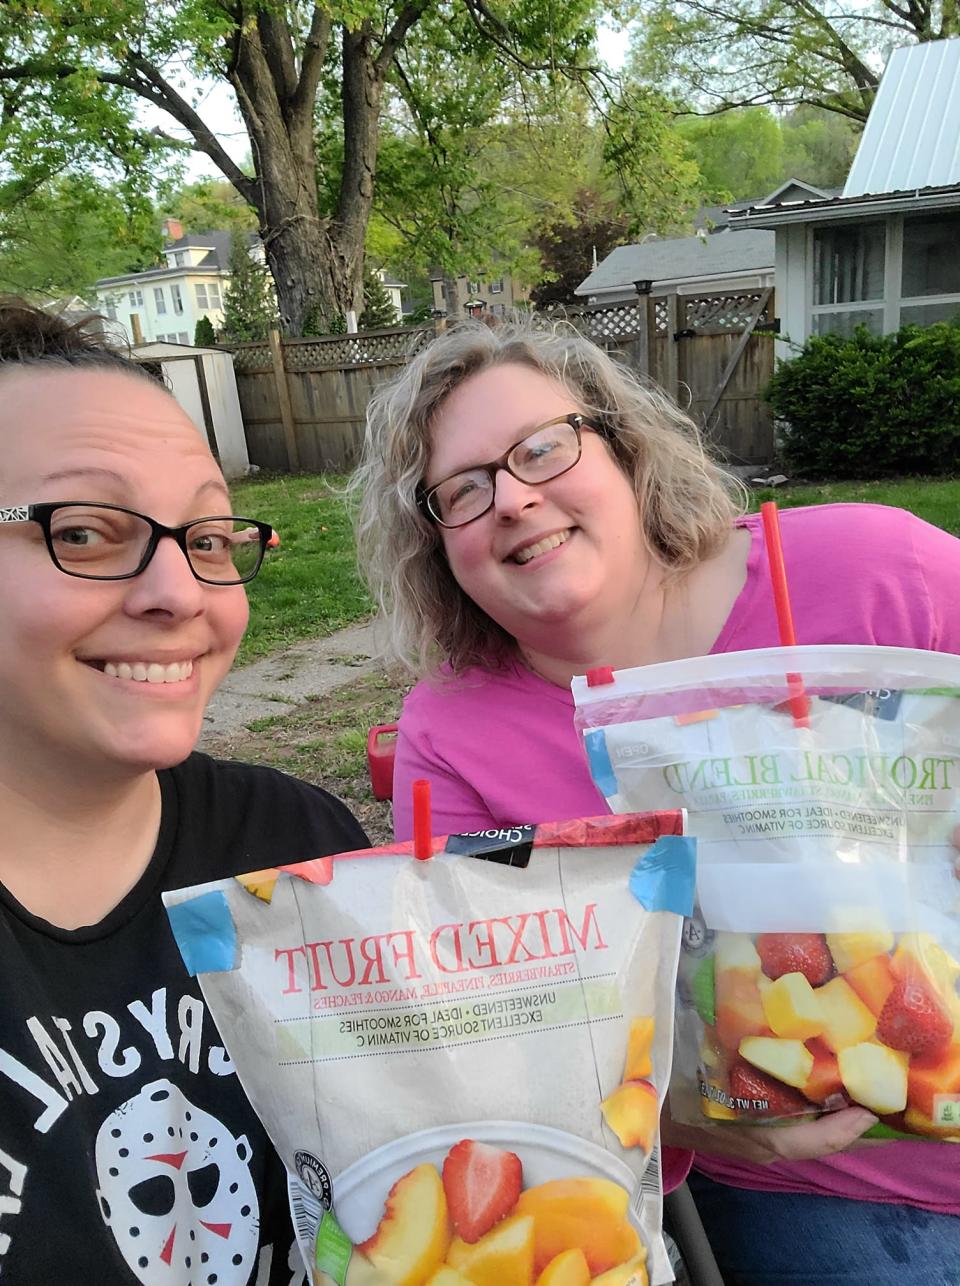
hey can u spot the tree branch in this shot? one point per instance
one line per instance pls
(409, 15)
(311, 64)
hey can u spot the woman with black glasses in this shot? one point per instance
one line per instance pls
(128, 1152)
(531, 511)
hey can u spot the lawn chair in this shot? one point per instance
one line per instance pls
(680, 1217)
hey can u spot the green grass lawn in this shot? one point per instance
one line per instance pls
(310, 586)
(936, 500)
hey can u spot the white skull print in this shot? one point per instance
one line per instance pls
(176, 1192)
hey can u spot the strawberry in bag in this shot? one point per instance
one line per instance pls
(461, 1060)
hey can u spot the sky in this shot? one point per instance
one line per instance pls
(217, 108)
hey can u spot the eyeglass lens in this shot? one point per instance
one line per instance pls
(88, 541)
(545, 454)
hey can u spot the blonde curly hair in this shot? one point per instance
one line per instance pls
(686, 500)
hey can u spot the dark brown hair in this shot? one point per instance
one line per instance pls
(31, 336)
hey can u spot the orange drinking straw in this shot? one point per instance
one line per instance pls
(799, 701)
(422, 823)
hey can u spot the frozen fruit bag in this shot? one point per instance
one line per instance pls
(461, 1060)
(820, 966)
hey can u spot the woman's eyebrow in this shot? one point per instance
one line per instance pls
(117, 479)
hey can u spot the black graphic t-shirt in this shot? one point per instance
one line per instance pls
(128, 1151)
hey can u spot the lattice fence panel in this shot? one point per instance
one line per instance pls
(250, 358)
(619, 321)
(328, 352)
(721, 312)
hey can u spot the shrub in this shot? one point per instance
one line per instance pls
(872, 405)
(204, 334)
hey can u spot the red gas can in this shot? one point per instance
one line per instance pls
(381, 748)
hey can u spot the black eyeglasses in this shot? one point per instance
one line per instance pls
(107, 542)
(544, 454)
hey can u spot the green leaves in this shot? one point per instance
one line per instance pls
(872, 405)
(715, 54)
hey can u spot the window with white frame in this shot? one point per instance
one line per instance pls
(200, 291)
(178, 258)
(930, 268)
(213, 292)
(177, 298)
(496, 287)
(110, 307)
(159, 300)
(886, 274)
(136, 298)
(182, 337)
(848, 277)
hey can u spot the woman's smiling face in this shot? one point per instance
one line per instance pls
(101, 435)
(558, 555)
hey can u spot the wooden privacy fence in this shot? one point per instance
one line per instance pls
(712, 353)
(304, 400)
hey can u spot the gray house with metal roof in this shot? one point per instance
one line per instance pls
(887, 250)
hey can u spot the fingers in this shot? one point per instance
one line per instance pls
(811, 1139)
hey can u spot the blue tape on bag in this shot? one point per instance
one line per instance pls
(601, 769)
(205, 933)
(665, 878)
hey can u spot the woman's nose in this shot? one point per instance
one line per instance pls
(167, 584)
(511, 496)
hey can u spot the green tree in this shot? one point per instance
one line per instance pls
(72, 71)
(58, 237)
(568, 244)
(739, 154)
(378, 310)
(819, 146)
(204, 334)
(249, 309)
(211, 203)
(717, 54)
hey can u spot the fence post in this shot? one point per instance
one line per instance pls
(283, 396)
(671, 361)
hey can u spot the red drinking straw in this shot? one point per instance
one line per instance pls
(422, 823)
(799, 701)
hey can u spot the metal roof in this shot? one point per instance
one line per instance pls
(682, 258)
(912, 135)
(836, 208)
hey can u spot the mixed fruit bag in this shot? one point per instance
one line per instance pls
(461, 1060)
(820, 966)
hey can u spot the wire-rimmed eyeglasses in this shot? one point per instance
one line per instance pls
(545, 453)
(99, 541)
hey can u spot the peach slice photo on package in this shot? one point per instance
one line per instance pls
(820, 967)
(460, 1060)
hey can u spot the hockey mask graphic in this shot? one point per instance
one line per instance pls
(176, 1191)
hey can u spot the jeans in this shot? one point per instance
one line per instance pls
(792, 1239)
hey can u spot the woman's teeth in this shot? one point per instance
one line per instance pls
(149, 671)
(541, 547)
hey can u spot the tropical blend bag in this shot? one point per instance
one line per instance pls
(460, 1060)
(820, 967)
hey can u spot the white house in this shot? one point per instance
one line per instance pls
(165, 303)
(887, 250)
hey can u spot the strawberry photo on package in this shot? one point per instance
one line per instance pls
(461, 1060)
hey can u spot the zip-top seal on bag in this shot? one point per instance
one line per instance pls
(461, 1062)
(820, 968)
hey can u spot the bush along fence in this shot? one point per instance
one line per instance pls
(873, 404)
(304, 401)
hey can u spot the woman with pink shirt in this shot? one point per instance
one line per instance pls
(530, 511)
